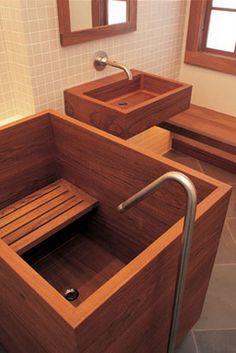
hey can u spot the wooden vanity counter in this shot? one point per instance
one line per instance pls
(125, 265)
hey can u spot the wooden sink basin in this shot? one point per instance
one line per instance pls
(53, 170)
(125, 108)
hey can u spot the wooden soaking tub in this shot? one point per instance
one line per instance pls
(60, 184)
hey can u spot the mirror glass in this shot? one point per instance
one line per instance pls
(85, 14)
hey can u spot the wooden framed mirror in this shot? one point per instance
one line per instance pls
(84, 20)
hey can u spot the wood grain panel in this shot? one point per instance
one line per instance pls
(136, 317)
(76, 262)
(117, 173)
(111, 88)
(26, 159)
(14, 336)
(154, 139)
(211, 61)
(206, 237)
(207, 126)
(24, 296)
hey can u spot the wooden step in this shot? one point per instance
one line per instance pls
(205, 125)
(209, 154)
(37, 216)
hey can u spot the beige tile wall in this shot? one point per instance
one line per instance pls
(13, 30)
(49, 68)
(7, 103)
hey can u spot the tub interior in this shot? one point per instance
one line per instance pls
(71, 259)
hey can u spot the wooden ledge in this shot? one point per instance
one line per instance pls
(205, 125)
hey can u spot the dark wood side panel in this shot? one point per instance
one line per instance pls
(206, 237)
(40, 327)
(26, 159)
(178, 102)
(90, 113)
(14, 336)
(116, 173)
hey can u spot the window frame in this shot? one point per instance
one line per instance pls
(196, 52)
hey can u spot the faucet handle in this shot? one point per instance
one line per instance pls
(100, 60)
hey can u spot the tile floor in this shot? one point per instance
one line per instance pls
(215, 332)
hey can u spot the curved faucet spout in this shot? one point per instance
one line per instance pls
(101, 61)
(190, 191)
(122, 67)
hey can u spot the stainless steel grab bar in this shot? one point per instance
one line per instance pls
(190, 191)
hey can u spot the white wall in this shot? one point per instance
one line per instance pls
(211, 89)
(48, 68)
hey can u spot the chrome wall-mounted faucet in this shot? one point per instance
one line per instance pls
(190, 191)
(101, 61)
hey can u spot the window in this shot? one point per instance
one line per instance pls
(220, 26)
(211, 41)
(116, 11)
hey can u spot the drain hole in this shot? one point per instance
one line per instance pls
(71, 294)
(123, 104)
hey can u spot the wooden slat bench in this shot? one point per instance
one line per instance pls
(37, 216)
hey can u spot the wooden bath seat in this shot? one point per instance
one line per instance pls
(39, 215)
